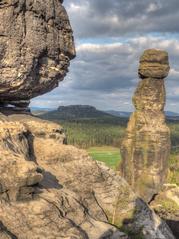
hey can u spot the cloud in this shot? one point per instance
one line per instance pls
(105, 75)
(114, 18)
(110, 37)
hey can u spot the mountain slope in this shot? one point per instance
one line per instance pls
(75, 112)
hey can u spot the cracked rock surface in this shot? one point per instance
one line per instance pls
(36, 45)
(53, 190)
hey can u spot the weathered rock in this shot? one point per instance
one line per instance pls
(41, 128)
(166, 205)
(18, 174)
(154, 64)
(75, 197)
(146, 146)
(36, 45)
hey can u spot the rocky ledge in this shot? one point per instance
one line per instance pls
(51, 190)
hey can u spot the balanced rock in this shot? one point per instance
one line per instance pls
(146, 146)
(154, 64)
(36, 45)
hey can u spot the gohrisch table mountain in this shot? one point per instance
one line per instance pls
(49, 190)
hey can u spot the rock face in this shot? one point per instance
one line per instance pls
(36, 45)
(146, 147)
(52, 190)
(166, 205)
(49, 190)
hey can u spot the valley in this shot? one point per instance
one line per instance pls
(101, 135)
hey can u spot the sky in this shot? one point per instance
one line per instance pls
(110, 36)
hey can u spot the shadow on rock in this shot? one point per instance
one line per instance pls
(4, 231)
(114, 235)
(30, 138)
(50, 181)
(174, 226)
(145, 224)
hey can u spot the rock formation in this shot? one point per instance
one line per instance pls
(36, 45)
(166, 205)
(51, 190)
(146, 147)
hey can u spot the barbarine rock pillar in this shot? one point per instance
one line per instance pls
(146, 146)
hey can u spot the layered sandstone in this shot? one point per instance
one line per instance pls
(36, 45)
(51, 190)
(146, 147)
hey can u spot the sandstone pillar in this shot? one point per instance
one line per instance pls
(146, 147)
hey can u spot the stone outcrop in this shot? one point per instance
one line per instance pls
(166, 205)
(49, 190)
(52, 190)
(36, 45)
(146, 146)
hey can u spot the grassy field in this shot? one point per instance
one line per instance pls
(173, 176)
(112, 158)
(174, 128)
(109, 155)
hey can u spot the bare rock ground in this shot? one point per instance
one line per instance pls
(52, 190)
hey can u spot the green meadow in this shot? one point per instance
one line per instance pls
(112, 158)
(107, 154)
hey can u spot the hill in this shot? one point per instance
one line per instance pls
(85, 126)
(73, 112)
(83, 114)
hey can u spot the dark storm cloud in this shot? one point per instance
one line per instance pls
(114, 18)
